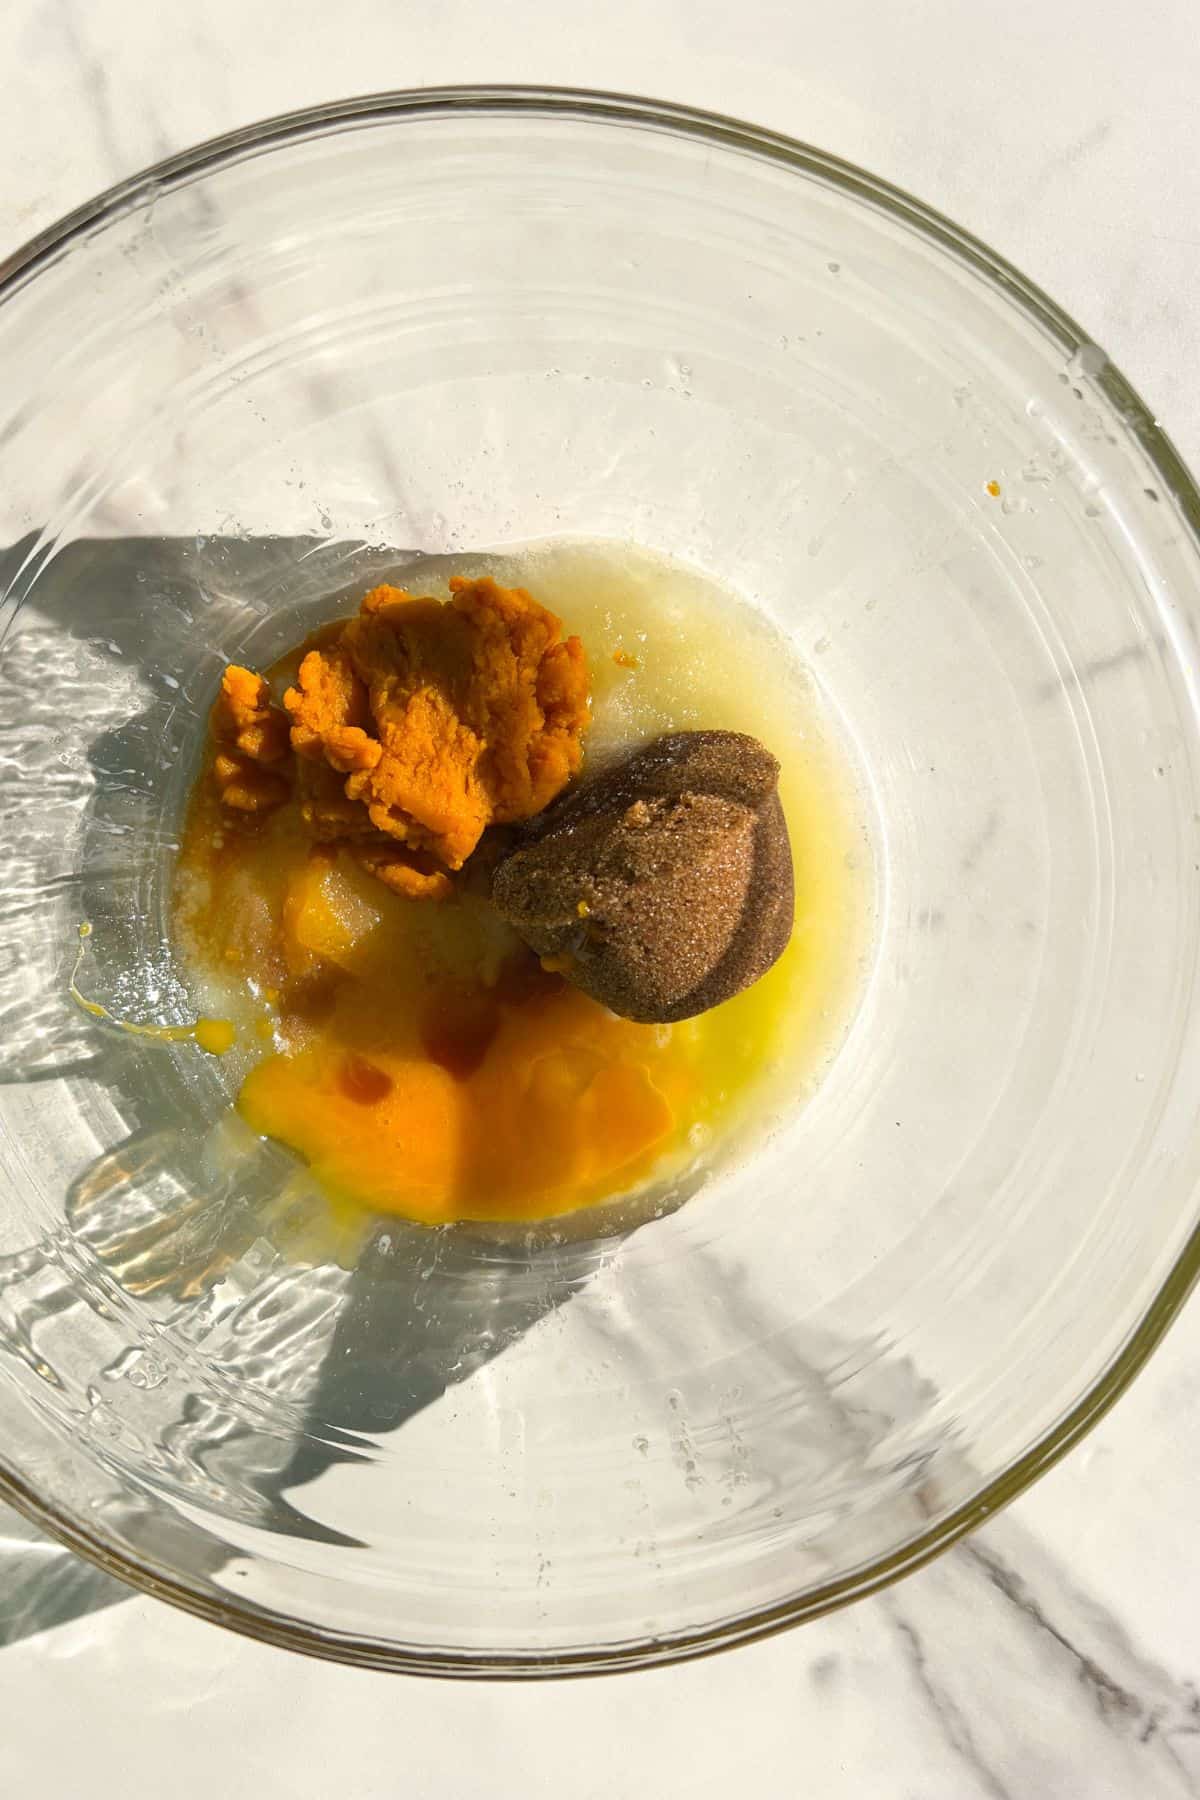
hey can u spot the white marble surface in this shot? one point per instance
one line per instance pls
(1058, 1652)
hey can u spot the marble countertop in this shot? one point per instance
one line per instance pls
(1055, 1653)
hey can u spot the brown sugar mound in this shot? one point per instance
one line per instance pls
(420, 723)
(664, 886)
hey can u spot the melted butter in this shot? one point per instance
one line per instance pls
(416, 1056)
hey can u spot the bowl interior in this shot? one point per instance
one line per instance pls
(435, 326)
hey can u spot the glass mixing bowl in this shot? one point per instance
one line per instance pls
(434, 322)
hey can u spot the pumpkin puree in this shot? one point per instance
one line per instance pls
(414, 727)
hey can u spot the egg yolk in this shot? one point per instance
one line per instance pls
(421, 1059)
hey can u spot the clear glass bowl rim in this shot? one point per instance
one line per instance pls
(1130, 415)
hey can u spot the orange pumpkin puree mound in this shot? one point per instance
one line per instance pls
(440, 718)
(411, 728)
(418, 1056)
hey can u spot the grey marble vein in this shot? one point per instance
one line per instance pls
(951, 1720)
(96, 87)
(1099, 667)
(1152, 1718)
